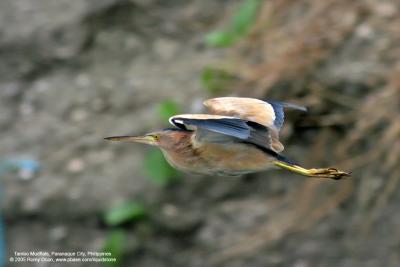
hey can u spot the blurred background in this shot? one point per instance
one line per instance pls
(73, 72)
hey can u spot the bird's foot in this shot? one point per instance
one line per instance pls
(332, 173)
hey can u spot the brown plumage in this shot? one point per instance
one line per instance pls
(241, 135)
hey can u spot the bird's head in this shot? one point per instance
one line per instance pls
(166, 138)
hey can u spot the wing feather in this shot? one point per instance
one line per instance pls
(214, 128)
(267, 113)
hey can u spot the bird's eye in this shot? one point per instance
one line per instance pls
(156, 137)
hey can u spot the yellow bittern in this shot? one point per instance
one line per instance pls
(240, 136)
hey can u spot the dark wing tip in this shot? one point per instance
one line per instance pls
(294, 106)
(287, 105)
(279, 112)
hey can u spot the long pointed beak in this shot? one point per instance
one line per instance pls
(145, 139)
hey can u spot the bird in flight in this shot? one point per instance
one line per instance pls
(238, 136)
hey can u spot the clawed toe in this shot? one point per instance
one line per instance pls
(332, 173)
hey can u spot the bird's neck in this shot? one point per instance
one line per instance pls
(180, 142)
(180, 150)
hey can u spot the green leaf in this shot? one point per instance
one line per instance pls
(220, 39)
(158, 169)
(245, 16)
(214, 80)
(243, 19)
(123, 213)
(115, 245)
(167, 109)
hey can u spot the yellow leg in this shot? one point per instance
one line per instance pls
(319, 173)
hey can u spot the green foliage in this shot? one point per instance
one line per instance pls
(115, 245)
(241, 23)
(214, 80)
(158, 169)
(220, 39)
(126, 212)
(245, 16)
(167, 109)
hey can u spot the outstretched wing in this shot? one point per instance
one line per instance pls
(267, 113)
(215, 128)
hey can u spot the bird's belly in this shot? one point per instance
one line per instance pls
(237, 158)
(223, 159)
